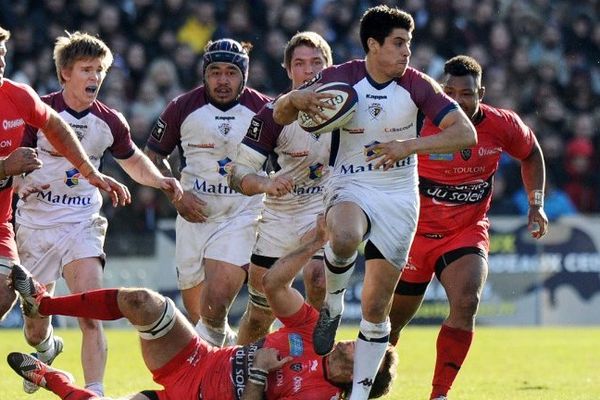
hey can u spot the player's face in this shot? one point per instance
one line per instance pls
(392, 57)
(223, 82)
(82, 83)
(342, 359)
(465, 91)
(2, 60)
(305, 63)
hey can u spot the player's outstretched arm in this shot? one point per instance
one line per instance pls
(284, 299)
(533, 173)
(144, 172)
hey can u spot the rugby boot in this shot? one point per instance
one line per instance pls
(29, 386)
(33, 369)
(31, 291)
(324, 332)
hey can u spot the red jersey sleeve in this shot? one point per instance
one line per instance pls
(518, 138)
(35, 111)
(306, 316)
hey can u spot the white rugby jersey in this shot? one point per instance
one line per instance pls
(385, 112)
(207, 138)
(70, 197)
(291, 151)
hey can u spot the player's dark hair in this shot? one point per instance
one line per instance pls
(4, 34)
(384, 379)
(462, 66)
(378, 22)
(308, 39)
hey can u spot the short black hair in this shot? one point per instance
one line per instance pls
(462, 66)
(378, 22)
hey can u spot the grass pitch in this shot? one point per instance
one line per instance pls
(503, 364)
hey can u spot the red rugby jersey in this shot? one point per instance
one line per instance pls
(456, 188)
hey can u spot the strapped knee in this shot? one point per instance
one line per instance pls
(162, 325)
(375, 332)
(257, 298)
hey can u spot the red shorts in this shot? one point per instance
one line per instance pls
(8, 246)
(197, 364)
(426, 251)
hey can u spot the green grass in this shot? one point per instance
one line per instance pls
(504, 364)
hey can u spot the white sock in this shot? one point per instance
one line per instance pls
(45, 350)
(96, 387)
(337, 282)
(371, 344)
(214, 336)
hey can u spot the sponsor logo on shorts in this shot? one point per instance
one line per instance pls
(159, 129)
(296, 344)
(255, 129)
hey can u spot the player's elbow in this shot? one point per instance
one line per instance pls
(468, 134)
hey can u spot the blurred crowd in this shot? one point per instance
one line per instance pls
(540, 58)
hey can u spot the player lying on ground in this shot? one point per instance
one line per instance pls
(284, 367)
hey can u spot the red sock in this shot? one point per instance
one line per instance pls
(452, 347)
(63, 388)
(96, 304)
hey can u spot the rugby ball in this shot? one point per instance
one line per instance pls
(344, 100)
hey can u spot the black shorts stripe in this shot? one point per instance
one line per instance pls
(453, 255)
(263, 261)
(372, 252)
(411, 288)
(150, 394)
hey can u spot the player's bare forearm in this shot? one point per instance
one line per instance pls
(283, 299)
(159, 162)
(284, 111)
(141, 169)
(533, 170)
(63, 139)
(252, 391)
(457, 133)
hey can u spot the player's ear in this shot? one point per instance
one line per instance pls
(481, 93)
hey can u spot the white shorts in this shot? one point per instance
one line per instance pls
(45, 252)
(279, 235)
(228, 241)
(393, 214)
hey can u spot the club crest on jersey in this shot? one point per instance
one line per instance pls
(254, 129)
(159, 129)
(224, 166)
(296, 367)
(224, 128)
(72, 177)
(296, 345)
(315, 171)
(370, 152)
(465, 154)
(375, 110)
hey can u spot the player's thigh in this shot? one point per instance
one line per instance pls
(223, 278)
(464, 276)
(83, 274)
(255, 276)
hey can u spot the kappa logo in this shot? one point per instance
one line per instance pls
(315, 171)
(72, 177)
(224, 128)
(375, 110)
(159, 129)
(366, 382)
(313, 365)
(254, 129)
(466, 154)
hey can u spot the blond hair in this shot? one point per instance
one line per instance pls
(79, 46)
(309, 39)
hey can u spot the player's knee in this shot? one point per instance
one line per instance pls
(344, 243)
(374, 308)
(141, 300)
(89, 326)
(162, 325)
(35, 335)
(466, 305)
